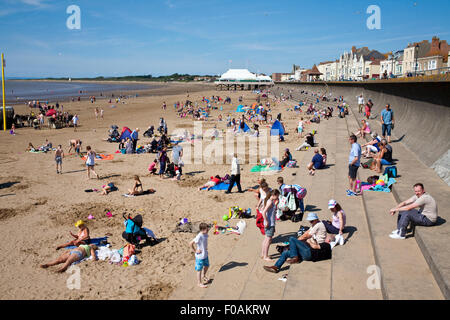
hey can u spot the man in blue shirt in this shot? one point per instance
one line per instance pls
(353, 165)
(316, 162)
(387, 122)
(134, 138)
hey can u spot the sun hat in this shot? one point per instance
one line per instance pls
(312, 216)
(79, 223)
(331, 204)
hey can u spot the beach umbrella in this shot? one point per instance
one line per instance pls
(50, 112)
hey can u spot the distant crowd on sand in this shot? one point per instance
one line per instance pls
(273, 204)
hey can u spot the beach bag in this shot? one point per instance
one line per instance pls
(372, 179)
(260, 222)
(291, 202)
(301, 193)
(391, 171)
(115, 257)
(297, 217)
(241, 225)
(226, 179)
(302, 230)
(283, 203)
(128, 250)
(291, 164)
(133, 260)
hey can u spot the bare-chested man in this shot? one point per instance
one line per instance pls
(59, 155)
(75, 144)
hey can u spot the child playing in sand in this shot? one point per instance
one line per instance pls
(211, 183)
(75, 144)
(107, 188)
(59, 155)
(31, 148)
(81, 238)
(201, 255)
(152, 167)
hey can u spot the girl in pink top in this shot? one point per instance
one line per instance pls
(337, 225)
(152, 167)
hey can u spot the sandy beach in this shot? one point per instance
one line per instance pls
(38, 208)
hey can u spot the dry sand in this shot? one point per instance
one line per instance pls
(38, 208)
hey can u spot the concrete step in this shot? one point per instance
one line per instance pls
(350, 262)
(312, 280)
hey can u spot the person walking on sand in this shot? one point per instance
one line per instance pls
(200, 246)
(269, 215)
(235, 175)
(90, 162)
(59, 155)
(75, 122)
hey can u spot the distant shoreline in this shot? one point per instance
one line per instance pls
(151, 88)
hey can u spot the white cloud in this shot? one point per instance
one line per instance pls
(37, 3)
(169, 4)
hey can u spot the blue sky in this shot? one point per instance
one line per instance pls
(136, 37)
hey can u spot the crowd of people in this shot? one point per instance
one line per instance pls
(318, 240)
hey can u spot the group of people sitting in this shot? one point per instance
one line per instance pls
(46, 146)
(316, 243)
(379, 153)
(84, 248)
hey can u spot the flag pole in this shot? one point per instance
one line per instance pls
(3, 89)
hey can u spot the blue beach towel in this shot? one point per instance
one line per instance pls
(221, 186)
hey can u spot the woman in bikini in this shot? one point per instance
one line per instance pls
(69, 257)
(137, 188)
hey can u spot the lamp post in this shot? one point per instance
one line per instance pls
(416, 49)
(3, 92)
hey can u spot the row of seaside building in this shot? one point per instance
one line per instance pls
(420, 58)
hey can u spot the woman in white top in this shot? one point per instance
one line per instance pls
(90, 162)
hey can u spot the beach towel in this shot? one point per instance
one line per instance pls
(99, 242)
(383, 188)
(259, 168)
(220, 186)
(101, 157)
(149, 191)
